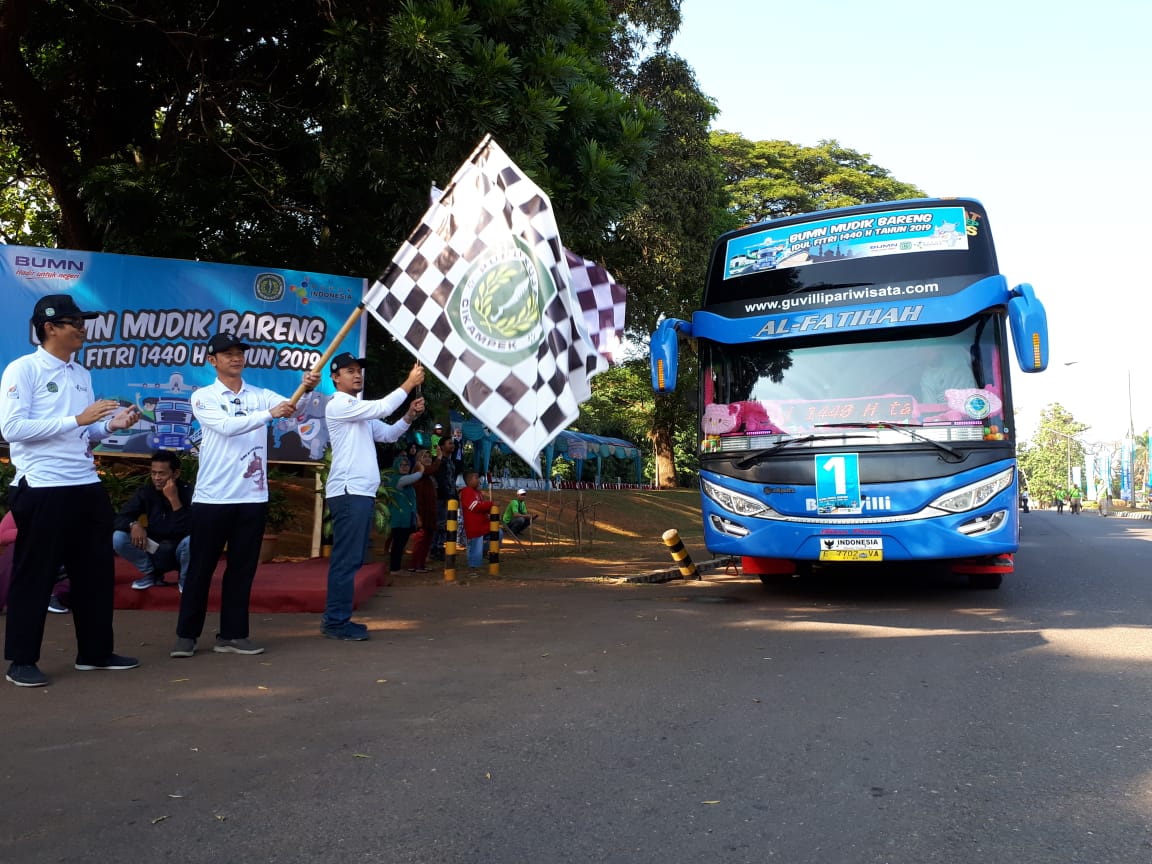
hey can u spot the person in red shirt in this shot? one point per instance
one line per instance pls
(476, 509)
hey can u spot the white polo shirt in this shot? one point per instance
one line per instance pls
(353, 425)
(234, 447)
(42, 395)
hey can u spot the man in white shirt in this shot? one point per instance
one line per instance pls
(64, 517)
(354, 427)
(230, 501)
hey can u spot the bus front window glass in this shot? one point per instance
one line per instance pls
(949, 384)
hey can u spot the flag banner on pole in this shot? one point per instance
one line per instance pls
(602, 299)
(481, 293)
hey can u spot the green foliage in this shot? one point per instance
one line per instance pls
(771, 179)
(121, 479)
(1047, 459)
(7, 475)
(27, 212)
(281, 514)
(307, 134)
(385, 498)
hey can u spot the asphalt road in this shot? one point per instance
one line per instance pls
(872, 718)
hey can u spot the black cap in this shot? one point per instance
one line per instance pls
(346, 359)
(224, 341)
(53, 307)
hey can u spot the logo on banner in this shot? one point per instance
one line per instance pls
(497, 306)
(269, 287)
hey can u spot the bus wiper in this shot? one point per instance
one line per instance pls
(900, 427)
(749, 461)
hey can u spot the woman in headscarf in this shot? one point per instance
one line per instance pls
(425, 489)
(402, 509)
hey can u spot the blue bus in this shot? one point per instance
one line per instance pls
(855, 398)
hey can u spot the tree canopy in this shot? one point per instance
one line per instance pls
(770, 179)
(309, 133)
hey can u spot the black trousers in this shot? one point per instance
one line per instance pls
(69, 526)
(240, 527)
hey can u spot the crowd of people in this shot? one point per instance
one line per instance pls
(61, 534)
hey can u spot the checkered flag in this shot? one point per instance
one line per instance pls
(481, 293)
(601, 298)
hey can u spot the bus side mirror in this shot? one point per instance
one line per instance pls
(664, 354)
(1029, 323)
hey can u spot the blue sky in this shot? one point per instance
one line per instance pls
(1038, 109)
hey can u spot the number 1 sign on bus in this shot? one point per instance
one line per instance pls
(856, 399)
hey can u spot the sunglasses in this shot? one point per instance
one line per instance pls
(78, 323)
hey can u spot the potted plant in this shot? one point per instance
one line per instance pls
(281, 516)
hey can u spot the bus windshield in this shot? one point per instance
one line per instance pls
(948, 383)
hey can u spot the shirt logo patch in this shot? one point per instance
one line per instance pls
(13, 393)
(52, 388)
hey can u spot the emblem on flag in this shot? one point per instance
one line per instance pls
(482, 294)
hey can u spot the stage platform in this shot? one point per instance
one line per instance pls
(280, 586)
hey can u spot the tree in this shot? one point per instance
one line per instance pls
(304, 133)
(1047, 459)
(771, 179)
(660, 249)
(27, 211)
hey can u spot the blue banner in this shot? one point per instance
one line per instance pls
(889, 232)
(1127, 451)
(148, 347)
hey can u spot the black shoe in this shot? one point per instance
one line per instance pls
(111, 662)
(184, 647)
(237, 646)
(350, 632)
(26, 675)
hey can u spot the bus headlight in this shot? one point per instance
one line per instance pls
(734, 502)
(976, 494)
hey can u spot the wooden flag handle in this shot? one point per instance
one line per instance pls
(327, 355)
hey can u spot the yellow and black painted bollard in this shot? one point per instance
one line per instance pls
(680, 554)
(450, 541)
(494, 540)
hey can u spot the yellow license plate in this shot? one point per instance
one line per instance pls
(851, 554)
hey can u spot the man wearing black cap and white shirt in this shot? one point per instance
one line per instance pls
(230, 500)
(354, 427)
(62, 511)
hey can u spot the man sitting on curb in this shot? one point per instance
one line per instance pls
(151, 530)
(516, 517)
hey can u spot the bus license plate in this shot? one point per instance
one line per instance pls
(852, 549)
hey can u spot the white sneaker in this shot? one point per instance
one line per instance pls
(143, 583)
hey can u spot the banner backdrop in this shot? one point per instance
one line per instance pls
(156, 315)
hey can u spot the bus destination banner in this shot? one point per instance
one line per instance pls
(894, 232)
(148, 346)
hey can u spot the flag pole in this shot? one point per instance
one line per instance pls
(359, 310)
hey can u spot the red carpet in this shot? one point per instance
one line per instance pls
(288, 586)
